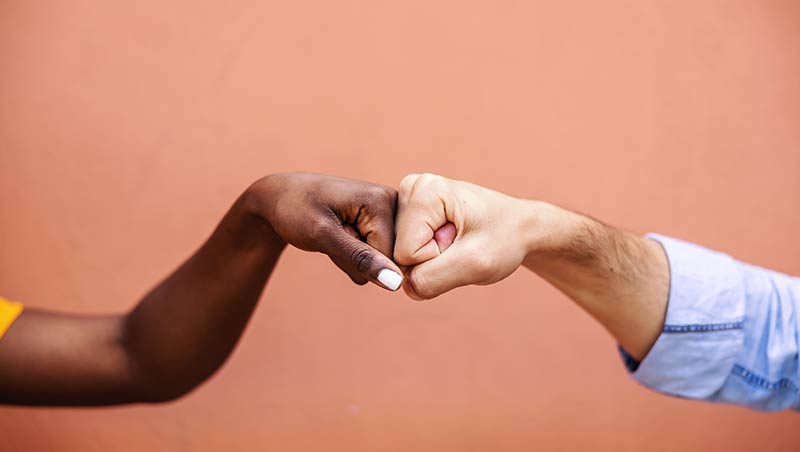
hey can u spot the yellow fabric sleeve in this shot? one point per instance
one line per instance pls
(9, 311)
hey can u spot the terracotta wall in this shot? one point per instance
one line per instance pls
(128, 127)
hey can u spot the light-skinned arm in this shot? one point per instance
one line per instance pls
(692, 322)
(619, 278)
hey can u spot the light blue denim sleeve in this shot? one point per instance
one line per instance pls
(731, 332)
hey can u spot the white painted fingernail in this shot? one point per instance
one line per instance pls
(390, 279)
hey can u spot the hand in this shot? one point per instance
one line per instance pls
(487, 231)
(350, 221)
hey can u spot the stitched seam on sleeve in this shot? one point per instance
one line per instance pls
(703, 328)
(758, 381)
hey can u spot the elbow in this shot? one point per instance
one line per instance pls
(165, 394)
(156, 376)
(164, 385)
(164, 369)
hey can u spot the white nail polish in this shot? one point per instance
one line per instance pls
(390, 279)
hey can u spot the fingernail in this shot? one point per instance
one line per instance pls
(390, 279)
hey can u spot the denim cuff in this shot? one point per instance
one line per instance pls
(702, 335)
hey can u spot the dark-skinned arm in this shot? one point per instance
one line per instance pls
(185, 328)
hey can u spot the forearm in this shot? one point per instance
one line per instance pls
(694, 323)
(729, 335)
(186, 327)
(174, 338)
(619, 278)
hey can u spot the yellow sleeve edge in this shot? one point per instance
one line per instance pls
(9, 311)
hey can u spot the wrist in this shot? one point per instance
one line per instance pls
(255, 211)
(548, 229)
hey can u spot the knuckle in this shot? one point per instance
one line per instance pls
(433, 183)
(381, 191)
(390, 196)
(430, 179)
(408, 183)
(361, 259)
(401, 255)
(319, 229)
(481, 265)
(419, 286)
(380, 196)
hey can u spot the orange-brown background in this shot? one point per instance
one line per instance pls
(128, 127)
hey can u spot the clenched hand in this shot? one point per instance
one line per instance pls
(350, 221)
(484, 227)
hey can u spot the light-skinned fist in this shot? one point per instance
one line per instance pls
(452, 233)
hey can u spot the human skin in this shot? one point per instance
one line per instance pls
(184, 329)
(619, 278)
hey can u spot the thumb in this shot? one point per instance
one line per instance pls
(361, 261)
(462, 264)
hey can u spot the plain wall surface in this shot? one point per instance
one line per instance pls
(127, 128)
